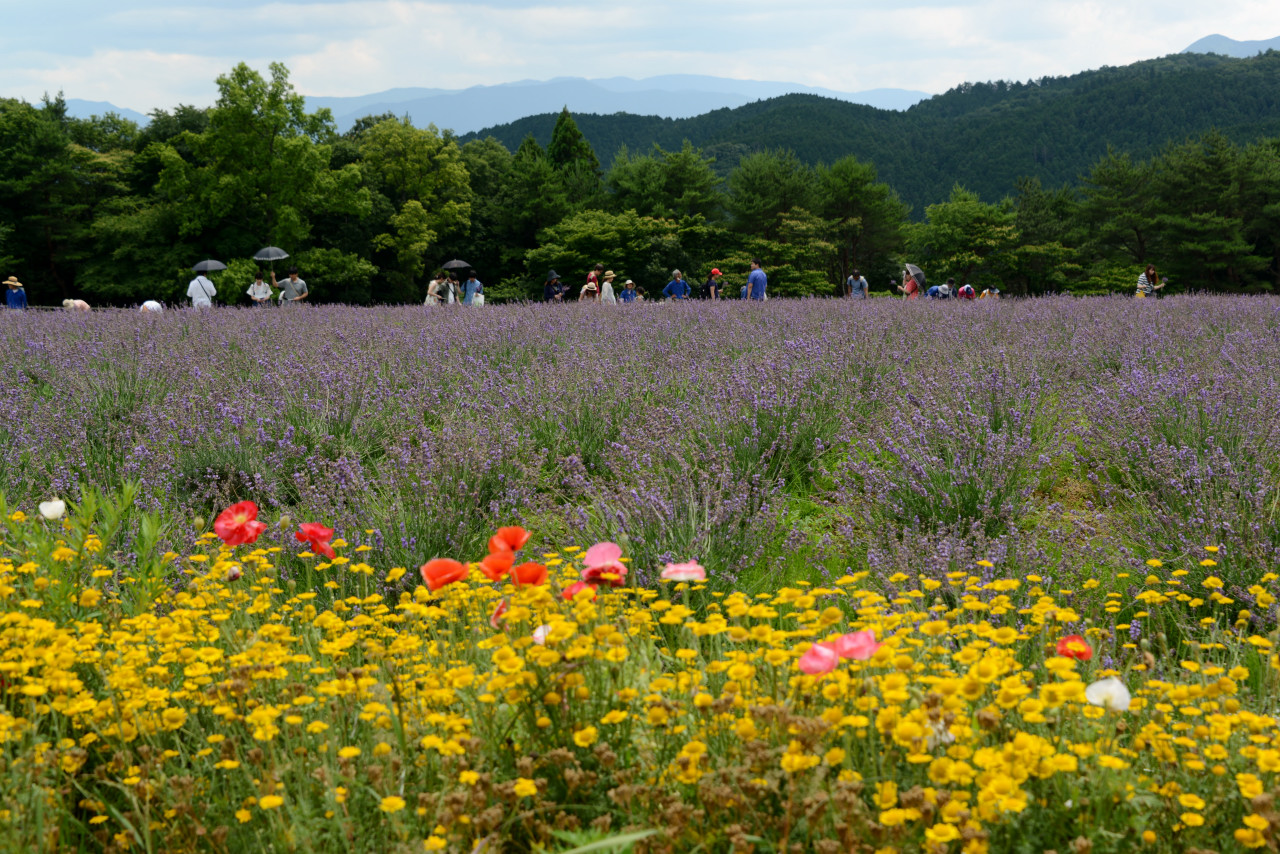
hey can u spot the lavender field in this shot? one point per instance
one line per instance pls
(796, 439)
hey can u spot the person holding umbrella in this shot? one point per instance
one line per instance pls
(293, 289)
(201, 291)
(912, 281)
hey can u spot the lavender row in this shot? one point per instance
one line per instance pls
(795, 436)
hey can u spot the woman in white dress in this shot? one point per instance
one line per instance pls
(606, 289)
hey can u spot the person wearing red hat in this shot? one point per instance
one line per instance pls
(711, 287)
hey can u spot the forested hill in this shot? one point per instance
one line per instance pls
(982, 135)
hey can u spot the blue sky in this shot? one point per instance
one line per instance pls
(143, 54)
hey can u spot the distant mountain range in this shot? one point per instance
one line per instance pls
(672, 96)
(984, 136)
(1230, 47)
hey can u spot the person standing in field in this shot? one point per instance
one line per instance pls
(856, 286)
(471, 289)
(293, 289)
(16, 297)
(711, 287)
(757, 280)
(201, 291)
(590, 292)
(433, 289)
(677, 288)
(553, 291)
(593, 278)
(260, 291)
(628, 291)
(1149, 282)
(606, 288)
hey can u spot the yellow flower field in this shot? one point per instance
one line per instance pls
(253, 698)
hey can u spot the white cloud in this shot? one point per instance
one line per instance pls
(154, 54)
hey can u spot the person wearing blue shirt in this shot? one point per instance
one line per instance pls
(628, 292)
(17, 295)
(856, 286)
(757, 280)
(677, 288)
(470, 290)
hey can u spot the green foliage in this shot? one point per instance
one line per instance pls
(337, 276)
(636, 247)
(963, 236)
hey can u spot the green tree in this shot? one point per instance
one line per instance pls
(424, 176)
(665, 183)
(568, 147)
(964, 236)
(868, 219)
(637, 247)
(765, 186)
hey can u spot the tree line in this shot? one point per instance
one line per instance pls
(114, 213)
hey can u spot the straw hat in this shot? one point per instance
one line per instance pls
(13, 280)
(609, 274)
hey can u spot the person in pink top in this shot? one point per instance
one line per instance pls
(909, 286)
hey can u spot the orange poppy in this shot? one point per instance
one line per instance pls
(497, 564)
(440, 571)
(510, 539)
(529, 573)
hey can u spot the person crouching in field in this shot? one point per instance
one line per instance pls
(75, 305)
(1149, 282)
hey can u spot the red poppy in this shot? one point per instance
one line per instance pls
(577, 587)
(497, 564)
(509, 539)
(238, 525)
(529, 573)
(499, 615)
(1074, 646)
(440, 571)
(317, 538)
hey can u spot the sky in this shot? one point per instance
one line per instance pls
(147, 54)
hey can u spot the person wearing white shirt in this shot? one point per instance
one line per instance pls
(201, 291)
(151, 307)
(606, 289)
(260, 291)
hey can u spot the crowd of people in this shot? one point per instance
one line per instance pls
(447, 288)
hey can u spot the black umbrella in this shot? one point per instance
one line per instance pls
(455, 264)
(916, 273)
(209, 266)
(270, 253)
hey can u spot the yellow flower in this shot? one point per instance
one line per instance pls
(391, 804)
(270, 802)
(1191, 802)
(468, 778)
(434, 843)
(243, 815)
(90, 598)
(173, 718)
(585, 737)
(525, 788)
(615, 716)
(1192, 819)
(348, 753)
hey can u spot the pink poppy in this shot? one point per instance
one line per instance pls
(602, 559)
(821, 658)
(857, 645)
(238, 525)
(690, 571)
